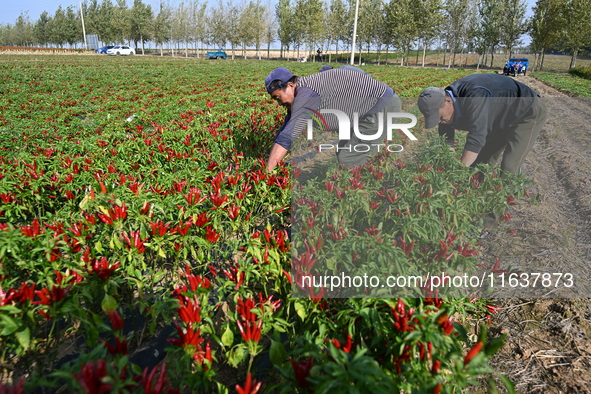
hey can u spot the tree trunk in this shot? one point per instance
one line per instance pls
(449, 62)
(437, 58)
(466, 59)
(573, 59)
(492, 56)
(543, 57)
(424, 52)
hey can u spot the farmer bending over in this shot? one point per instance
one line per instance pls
(344, 90)
(500, 115)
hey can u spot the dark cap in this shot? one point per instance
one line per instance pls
(281, 74)
(430, 100)
(326, 67)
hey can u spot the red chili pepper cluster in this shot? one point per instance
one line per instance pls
(402, 317)
(57, 292)
(249, 324)
(25, 293)
(301, 370)
(102, 268)
(234, 275)
(250, 386)
(120, 346)
(147, 380)
(466, 251)
(19, 388)
(91, 377)
(189, 312)
(347, 346)
(115, 213)
(133, 240)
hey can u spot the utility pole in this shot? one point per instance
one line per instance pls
(354, 33)
(83, 28)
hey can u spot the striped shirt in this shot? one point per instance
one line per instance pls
(345, 90)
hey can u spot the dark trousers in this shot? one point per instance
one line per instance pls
(514, 144)
(353, 152)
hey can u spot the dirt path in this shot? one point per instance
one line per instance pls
(548, 347)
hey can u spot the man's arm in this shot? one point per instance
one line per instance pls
(277, 154)
(468, 157)
(449, 132)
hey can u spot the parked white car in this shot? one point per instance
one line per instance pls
(120, 50)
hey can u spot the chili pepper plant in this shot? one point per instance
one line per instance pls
(136, 205)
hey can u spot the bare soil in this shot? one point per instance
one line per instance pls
(548, 346)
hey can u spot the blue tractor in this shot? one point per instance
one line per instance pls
(516, 66)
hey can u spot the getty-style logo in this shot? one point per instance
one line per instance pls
(344, 129)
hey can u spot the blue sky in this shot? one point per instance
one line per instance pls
(11, 9)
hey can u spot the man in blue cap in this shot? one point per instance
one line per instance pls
(344, 90)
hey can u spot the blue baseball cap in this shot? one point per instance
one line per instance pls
(281, 74)
(326, 67)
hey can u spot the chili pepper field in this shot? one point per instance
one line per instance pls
(145, 248)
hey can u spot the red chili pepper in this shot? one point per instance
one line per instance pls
(250, 386)
(436, 366)
(251, 331)
(302, 371)
(473, 352)
(91, 377)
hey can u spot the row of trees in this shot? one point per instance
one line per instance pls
(563, 25)
(189, 24)
(482, 26)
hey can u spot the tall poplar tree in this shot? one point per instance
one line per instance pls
(577, 28)
(285, 20)
(513, 24)
(545, 27)
(141, 19)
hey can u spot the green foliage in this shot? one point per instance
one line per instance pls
(570, 84)
(582, 72)
(114, 228)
